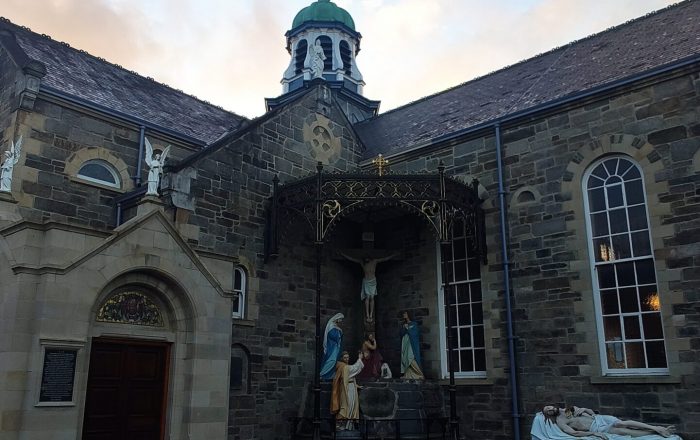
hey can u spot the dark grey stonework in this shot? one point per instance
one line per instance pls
(218, 198)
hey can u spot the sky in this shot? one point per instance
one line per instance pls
(232, 52)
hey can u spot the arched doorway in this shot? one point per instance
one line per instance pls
(139, 331)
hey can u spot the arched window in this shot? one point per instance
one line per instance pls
(346, 55)
(300, 56)
(239, 286)
(99, 171)
(327, 45)
(240, 371)
(628, 308)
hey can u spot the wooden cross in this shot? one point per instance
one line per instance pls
(380, 163)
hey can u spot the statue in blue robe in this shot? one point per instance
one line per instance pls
(332, 346)
(410, 349)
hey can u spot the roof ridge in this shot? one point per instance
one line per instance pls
(105, 61)
(540, 55)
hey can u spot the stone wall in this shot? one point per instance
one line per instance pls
(558, 358)
(232, 187)
(57, 140)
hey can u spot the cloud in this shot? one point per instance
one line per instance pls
(232, 53)
(94, 26)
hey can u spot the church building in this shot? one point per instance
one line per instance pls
(172, 270)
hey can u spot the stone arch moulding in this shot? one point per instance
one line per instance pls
(176, 307)
(525, 196)
(80, 157)
(636, 148)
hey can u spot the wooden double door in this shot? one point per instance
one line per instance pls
(126, 390)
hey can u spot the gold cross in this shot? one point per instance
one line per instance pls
(380, 163)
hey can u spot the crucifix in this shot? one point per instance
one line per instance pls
(368, 259)
(380, 163)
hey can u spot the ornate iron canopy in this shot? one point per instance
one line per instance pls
(320, 201)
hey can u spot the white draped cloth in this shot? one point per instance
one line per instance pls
(550, 431)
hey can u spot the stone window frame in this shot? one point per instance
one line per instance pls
(475, 374)
(104, 157)
(68, 344)
(652, 164)
(240, 281)
(607, 256)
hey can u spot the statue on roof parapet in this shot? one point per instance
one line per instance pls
(12, 155)
(155, 163)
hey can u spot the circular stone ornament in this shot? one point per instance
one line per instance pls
(323, 145)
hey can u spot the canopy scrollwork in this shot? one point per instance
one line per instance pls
(323, 199)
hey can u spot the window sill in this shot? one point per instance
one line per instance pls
(77, 179)
(468, 381)
(239, 322)
(604, 380)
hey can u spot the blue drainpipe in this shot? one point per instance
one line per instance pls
(506, 286)
(139, 165)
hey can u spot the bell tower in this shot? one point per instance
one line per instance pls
(323, 45)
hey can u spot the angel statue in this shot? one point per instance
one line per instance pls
(11, 159)
(155, 167)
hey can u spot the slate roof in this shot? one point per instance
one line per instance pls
(99, 82)
(659, 39)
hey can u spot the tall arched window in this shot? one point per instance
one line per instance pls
(239, 286)
(626, 297)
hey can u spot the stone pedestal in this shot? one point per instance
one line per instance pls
(413, 408)
(149, 204)
(9, 212)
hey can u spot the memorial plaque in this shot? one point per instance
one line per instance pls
(58, 375)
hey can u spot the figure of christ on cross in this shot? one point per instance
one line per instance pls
(369, 281)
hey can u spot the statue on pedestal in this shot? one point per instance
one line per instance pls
(410, 349)
(11, 159)
(332, 343)
(155, 163)
(345, 402)
(369, 282)
(317, 59)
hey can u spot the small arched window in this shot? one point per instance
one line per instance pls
(346, 55)
(239, 289)
(99, 171)
(300, 56)
(240, 371)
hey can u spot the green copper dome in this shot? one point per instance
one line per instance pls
(323, 10)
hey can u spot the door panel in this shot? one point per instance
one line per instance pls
(126, 391)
